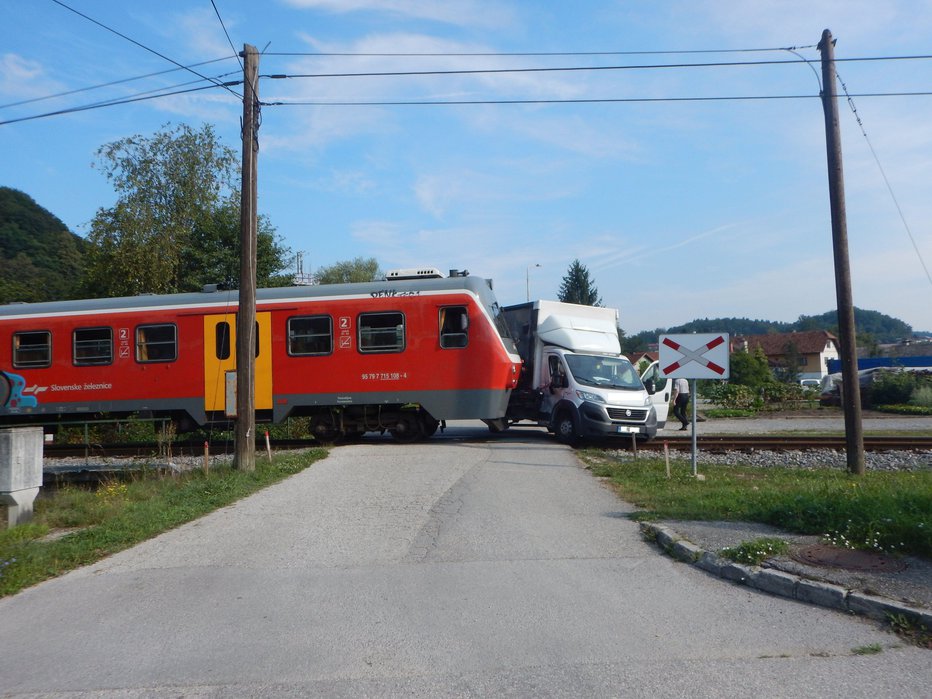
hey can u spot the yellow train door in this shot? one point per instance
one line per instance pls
(220, 362)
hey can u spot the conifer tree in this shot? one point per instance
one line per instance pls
(577, 286)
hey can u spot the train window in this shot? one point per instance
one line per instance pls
(454, 327)
(381, 332)
(32, 349)
(308, 335)
(93, 346)
(156, 343)
(222, 340)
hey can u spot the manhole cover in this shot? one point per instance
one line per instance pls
(824, 555)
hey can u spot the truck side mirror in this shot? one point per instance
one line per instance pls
(650, 386)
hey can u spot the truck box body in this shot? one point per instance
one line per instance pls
(575, 381)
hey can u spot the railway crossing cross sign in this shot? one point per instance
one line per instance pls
(700, 356)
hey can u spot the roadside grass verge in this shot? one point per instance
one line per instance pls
(97, 522)
(880, 511)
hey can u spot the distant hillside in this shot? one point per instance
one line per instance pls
(40, 259)
(882, 328)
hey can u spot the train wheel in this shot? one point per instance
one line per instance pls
(323, 429)
(429, 425)
(407, 429)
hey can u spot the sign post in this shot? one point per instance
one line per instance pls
(699, 356)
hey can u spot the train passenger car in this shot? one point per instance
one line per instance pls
(398, 355)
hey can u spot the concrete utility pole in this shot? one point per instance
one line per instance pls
(245, 432)
(851, 390)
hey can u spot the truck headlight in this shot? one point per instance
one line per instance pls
(591, 397)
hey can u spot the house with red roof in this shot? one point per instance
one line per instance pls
(812, 349)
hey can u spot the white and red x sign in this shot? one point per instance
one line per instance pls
(694, 356)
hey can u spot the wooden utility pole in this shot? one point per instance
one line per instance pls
(245, 432)
(851, 389)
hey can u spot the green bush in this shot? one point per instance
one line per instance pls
(734, 396)
(890, 387)
(922, 396)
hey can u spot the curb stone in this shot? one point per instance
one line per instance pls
(783, 584)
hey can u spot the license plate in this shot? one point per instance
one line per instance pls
(626, 429)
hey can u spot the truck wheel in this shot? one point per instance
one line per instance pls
(565, 429)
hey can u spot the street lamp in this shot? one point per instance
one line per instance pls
(527, 281)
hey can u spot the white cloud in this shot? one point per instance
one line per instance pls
(23, 78)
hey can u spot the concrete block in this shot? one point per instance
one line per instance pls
(20, 471)
(822, 594)
(665, 537)
(882, 608)
(20, 458)
(711, 563)
(775, 582)
(686, 551)
(736, 572)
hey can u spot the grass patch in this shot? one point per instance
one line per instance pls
(123, 512)
(729, 413)
(871, 649)
(910, 630)
(880, 511)
(755, 552)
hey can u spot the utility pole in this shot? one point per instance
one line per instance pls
(851, 389)
(245, 432)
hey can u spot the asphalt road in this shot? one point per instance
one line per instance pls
(464, 566)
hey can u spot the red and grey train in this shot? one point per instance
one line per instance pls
(400, 355)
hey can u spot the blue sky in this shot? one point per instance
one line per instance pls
(680, 209)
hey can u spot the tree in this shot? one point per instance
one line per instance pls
(357, 270)
(578, 287)
(175, 225)
(213, 257)
(750, 369)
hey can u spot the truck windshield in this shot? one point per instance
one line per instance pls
(605, 372)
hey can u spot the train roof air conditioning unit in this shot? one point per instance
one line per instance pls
(413, 273)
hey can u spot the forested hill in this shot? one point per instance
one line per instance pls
(40, 259)
(882, 328)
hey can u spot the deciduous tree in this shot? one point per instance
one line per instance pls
(356, 270)
(176, 219)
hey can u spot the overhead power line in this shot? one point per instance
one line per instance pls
(142, 46)
(226, 33)
(594, 100)
(127, 100)
(413, 54)
(493, 71)
(116, 82)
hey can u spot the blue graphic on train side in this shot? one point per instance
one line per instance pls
(16, 400)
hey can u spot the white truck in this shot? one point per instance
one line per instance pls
(575, 381)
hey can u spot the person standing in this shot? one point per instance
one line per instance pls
(681, 401)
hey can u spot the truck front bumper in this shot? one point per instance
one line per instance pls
(594, 423)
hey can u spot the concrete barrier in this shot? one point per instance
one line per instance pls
(20, 471)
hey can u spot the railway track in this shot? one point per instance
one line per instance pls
(723, 443)
(708, 443)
